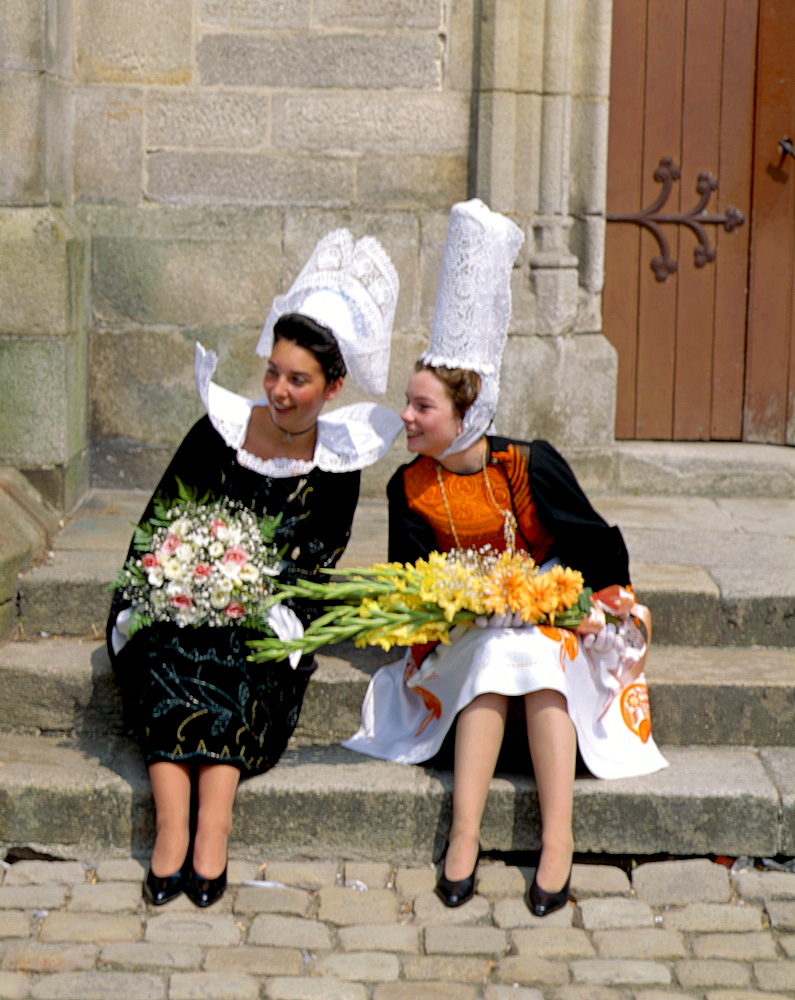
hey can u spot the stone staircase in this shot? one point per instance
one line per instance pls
(718, 572)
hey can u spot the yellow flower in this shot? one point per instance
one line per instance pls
(431, 632)
(541, 598)
(446, 582)
(505, 588)
(385, 639)
(569, 583)
(403, 635)
(394, 604)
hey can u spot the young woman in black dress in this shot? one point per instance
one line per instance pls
(204, 716)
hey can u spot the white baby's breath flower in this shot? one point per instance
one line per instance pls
(248, 573)
(181, 526)
(185, 552)
(158, 599)
(173, 569)
(219, 597)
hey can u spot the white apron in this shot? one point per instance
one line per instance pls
(406, 713)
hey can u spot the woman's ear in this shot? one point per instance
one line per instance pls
(333, 388)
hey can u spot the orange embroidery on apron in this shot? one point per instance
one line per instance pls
(433, 705)
(565, 637)
(635, 710)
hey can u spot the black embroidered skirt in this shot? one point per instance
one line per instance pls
(192, 697)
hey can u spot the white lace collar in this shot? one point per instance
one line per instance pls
(348, 438)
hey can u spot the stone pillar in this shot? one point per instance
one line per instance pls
(59, 102)
(35, 91)
(44, 257)
(541, 158)
(44, 264)
(23, 55)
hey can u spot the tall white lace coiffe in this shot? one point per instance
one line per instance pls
(473, 307)
(350, 288)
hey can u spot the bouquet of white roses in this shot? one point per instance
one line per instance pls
(201, 563)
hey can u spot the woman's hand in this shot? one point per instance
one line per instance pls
(608, 638)
(500, 621)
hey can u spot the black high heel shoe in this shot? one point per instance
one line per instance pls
(157, 890)
(459, 892)
(541, 903)
(456, 893)
(205, 891)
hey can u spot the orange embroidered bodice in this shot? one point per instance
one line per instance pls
(473, 513)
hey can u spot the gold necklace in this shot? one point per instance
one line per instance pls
(509, 525)
(447, 505)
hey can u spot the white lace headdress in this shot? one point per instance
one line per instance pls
(473, 306)
(351, 288)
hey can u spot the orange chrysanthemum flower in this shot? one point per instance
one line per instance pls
(543, 594)
(569, 584)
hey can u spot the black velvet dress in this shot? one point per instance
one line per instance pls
(189, 693)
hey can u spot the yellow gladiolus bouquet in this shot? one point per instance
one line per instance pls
(403, 604)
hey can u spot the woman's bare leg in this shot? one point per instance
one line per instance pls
(479, 732)
(553, 749)
(217, 786)
(171, 793)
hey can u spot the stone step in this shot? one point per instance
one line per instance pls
(705, 469)
(68, 593)
(27, 526)
(693, 562)
(70, 596)
(736, 696)
(89, 799)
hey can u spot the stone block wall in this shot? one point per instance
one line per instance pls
(214, 143)
(183, 156)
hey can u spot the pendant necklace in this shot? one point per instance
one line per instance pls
(509, 525)
(289, 435)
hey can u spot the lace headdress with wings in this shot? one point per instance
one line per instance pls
(350, 288)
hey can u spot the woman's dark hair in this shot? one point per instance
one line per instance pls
(315, 338)
(462, 385)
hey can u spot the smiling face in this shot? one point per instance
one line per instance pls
(430, 419)
(296, 387)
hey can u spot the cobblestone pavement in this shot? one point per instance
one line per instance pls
(357, 931)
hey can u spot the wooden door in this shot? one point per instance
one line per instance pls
(709, 352)
(770, 359)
